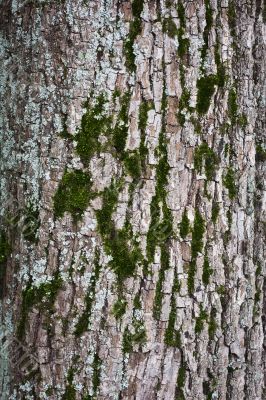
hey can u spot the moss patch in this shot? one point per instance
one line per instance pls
(229, 183)
(196, 247)
(184, 227)
(207, 271)
(169, 27)
(42, 296)
(73, 194)
(93, 124)
(206, 155)
(83, 322)
(134, 31)
(31, 223)
(206, 88)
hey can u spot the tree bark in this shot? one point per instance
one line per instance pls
(132, 239)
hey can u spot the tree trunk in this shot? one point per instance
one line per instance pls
(132, 238)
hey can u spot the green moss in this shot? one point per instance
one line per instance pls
(206, 90)
(132, 338)
(197, 234)
(196, 247)
(204, 154)
(119, 308)
(137, 302)
(134, 31)
(31, 223)
(172, 336)
(207, 29)
(42, 296)
(70, 392)
(229, 183)
(181, 377)
(221, 74)
(184, 225)
(232, 105)
(200, 321)
(144, 108)
(5, 248)
(120, 130)
(83, 322)
(207, 271)
(93, 124)
(260, 153)
(183, 43)
(183, 105)
(73, 194)
(132, 163)
(232, 17)
(96, 376)
(157, 305)
(212, 324)
(169, 27)
(5, 251)
(127, 344)
(242, 120)
(215, 211)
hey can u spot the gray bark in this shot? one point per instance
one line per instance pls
(161, 295)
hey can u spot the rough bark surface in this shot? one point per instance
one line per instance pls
(133, 200)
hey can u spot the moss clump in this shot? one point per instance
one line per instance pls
(181, 379)
(204, 153)
(184, 225)
(31, 223)
(215, 211)
(207, 29)
(172, 336)
(232, 105)
(232, 17)
(132, 163)
(42, 296)
(110, 199)
(183, 105)
(229, 183)
(260, 153)
(138, 336)
(73, 194)
(5, 248)
(125, 255)
(134, 31)
(169, 27)
(127, 344)
(207, 271)
(120, 130)
(144, 108)
(212, 324)
(119, 308)
(206, 90)
(221, 75)
(70, 392)
(183, 43)
(93, 124)
(83, 322)
(197, 234)
(200, 321)
(96, 376)
(196, 247)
